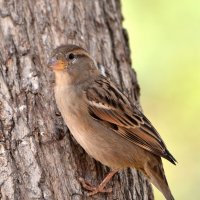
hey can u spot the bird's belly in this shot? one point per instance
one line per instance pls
(105, 146)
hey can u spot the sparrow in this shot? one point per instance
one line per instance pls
(104, 121)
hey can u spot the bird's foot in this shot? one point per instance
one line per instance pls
(94, 190)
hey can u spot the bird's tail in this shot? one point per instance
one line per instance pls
(156, 174)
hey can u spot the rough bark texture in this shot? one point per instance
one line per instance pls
(39, 159)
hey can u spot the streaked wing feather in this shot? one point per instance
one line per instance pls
(110, 106)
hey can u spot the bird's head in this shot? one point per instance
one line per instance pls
(72, 64)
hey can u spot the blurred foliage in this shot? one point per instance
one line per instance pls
(165, 43)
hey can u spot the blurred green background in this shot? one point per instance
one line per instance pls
(165, 44)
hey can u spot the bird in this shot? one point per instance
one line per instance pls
(104, 120)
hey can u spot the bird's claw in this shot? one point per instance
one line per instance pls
(93, 190)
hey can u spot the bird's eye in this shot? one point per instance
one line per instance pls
(71, 56)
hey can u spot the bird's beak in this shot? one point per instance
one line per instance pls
(57, 64)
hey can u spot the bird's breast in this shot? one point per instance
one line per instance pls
(72, 106)
(70, 102)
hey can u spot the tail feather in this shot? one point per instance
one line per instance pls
(155, 172)
(169, 157)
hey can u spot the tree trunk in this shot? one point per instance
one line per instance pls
(39, 159)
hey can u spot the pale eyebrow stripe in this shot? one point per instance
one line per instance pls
(78, 52)
(82, 53)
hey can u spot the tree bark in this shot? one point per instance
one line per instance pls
(39, 159)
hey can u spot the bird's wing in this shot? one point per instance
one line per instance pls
(112, 108)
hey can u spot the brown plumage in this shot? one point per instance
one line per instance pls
(104, 121)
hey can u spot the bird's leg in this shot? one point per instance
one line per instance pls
(100, 188)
